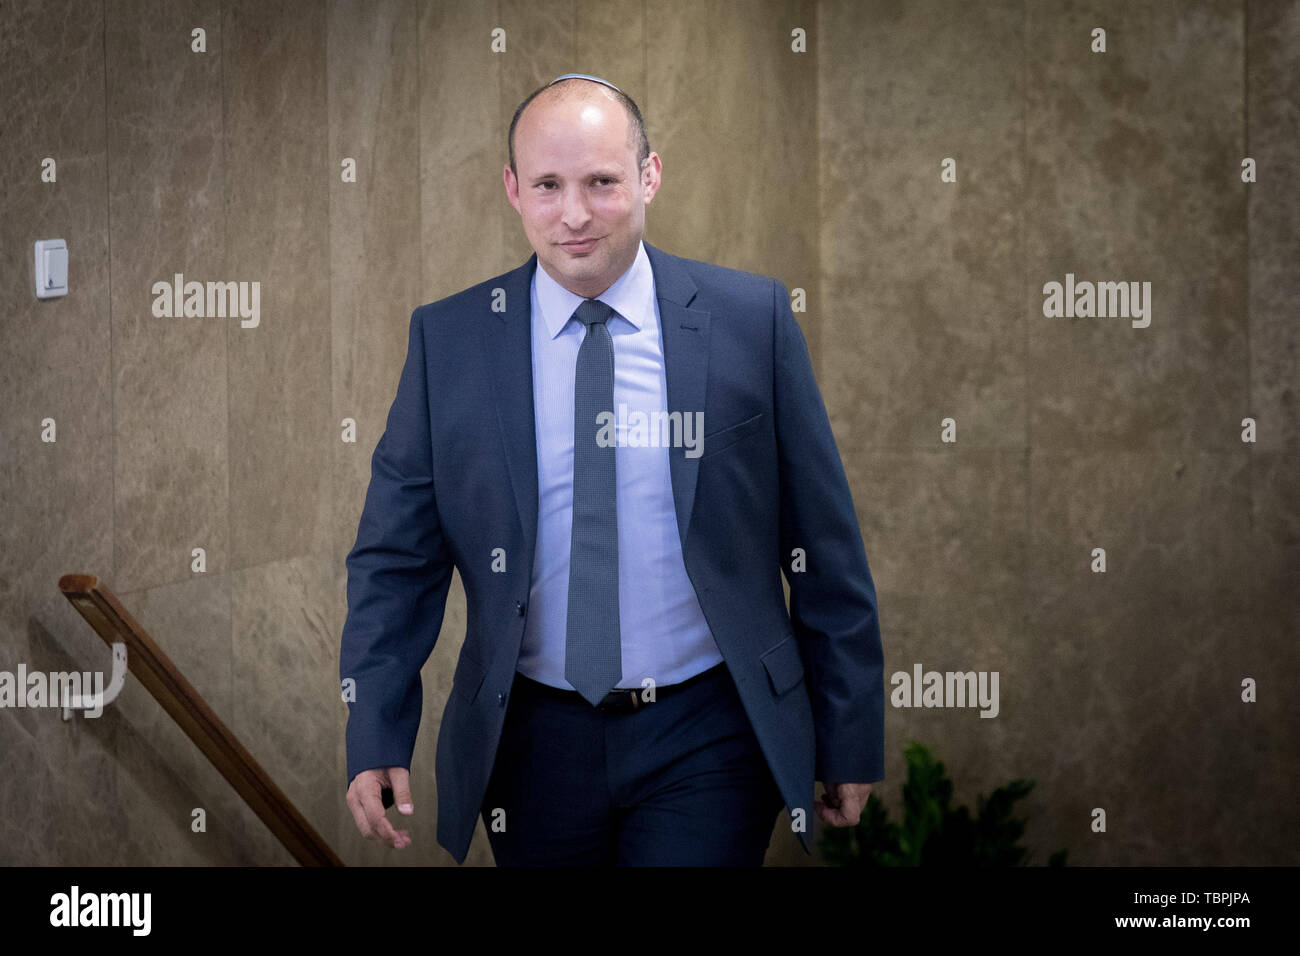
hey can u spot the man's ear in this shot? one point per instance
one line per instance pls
(512, 186)
(651, 176)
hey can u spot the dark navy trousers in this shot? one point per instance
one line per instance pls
(677, 782)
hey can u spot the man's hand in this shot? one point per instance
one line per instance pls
(841, 805)
(367, 805)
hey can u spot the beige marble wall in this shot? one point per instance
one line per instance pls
(820, 168)
(1268, 605)
(1121, 690)
(56, 499)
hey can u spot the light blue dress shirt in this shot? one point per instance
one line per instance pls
(664, 634)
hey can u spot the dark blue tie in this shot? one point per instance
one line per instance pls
(593, 656)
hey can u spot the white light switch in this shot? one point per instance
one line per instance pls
(51, 268)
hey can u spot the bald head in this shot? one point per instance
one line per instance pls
(576, 89)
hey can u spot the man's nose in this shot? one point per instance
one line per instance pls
(576, 210)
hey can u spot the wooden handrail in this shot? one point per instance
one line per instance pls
(160, 676)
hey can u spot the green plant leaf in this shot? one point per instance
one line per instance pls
(933, 832)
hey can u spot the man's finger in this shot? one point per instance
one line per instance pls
(400, 779)
(833, 815)
(358, 815)
(368, 810)
(380, 829)
(827, 814)
(364, 785)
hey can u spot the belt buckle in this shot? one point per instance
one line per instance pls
(612, 700)
(613, 703)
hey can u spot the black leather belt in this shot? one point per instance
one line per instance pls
(622, 700)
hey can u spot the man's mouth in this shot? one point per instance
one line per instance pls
(581, 245)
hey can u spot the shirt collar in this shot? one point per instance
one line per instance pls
(630, 295)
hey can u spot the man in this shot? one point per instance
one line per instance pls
(620, 451)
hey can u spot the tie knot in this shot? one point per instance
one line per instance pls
(592, 311)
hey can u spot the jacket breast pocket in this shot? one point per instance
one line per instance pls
(726, 437)
(468, 677)
(783, 664)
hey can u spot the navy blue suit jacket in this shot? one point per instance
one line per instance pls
(454, 477)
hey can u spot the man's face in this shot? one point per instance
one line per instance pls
(579, 192)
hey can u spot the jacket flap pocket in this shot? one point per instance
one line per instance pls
(784, 665)
(468, 676)
(726, 437)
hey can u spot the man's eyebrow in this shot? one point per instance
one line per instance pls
(600, 173)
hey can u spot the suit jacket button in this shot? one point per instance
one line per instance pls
(519, 608)
(501, 700)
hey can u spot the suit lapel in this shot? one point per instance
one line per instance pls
(685, 334)
(508, 350)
